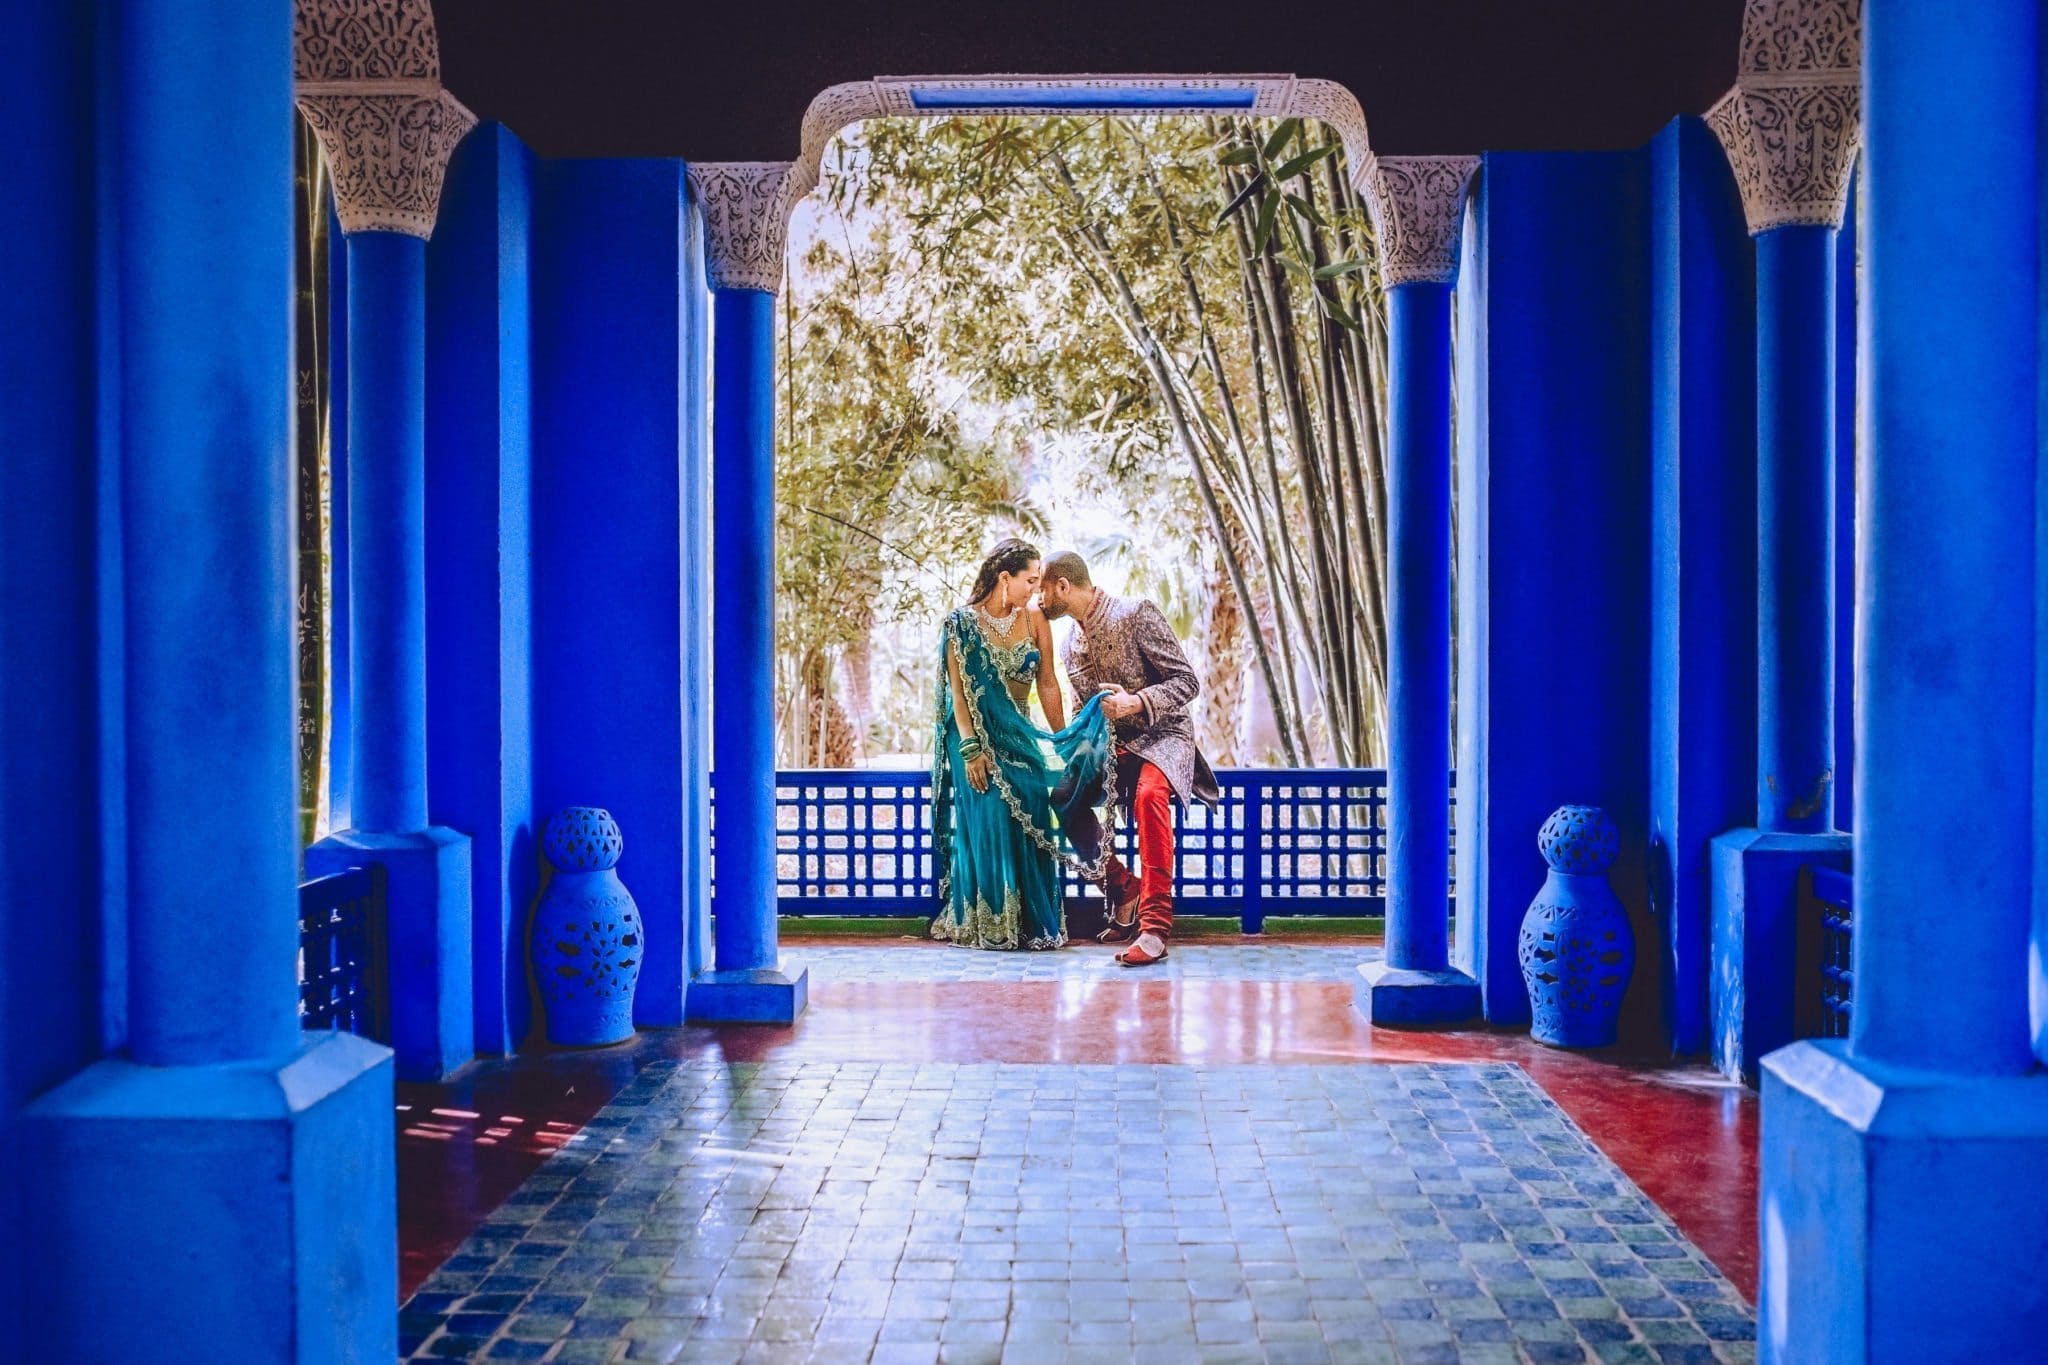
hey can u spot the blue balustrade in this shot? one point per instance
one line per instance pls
(1826, 933)
(1283, 841)
(342, 983)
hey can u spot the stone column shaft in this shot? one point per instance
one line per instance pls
(745, 208)
(1945, 689)
(1791, 128)
(1417, 205)
(208, 555)
(369, 82)
(387, 529)
(232, 1174)
(1796, 529)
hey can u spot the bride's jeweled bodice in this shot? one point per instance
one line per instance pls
(1016, 661)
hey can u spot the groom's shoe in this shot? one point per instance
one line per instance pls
(1149, 948)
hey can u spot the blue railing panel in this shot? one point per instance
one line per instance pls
(1831, 981)
(341, 953)
(1308, 841)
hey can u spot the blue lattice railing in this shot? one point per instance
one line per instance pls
(1827, 922)
(1283, 842)
(341, 953)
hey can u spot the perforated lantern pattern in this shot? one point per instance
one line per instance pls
(1577, 950)
(587, 936)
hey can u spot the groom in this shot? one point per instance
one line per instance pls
(1124, 646)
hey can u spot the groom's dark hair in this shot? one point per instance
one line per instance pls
(1070, 566)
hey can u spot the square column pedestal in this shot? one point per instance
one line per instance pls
(1753, 991)
(1404, 997)
(1905, 1214)
(218, 1213)
(765, 995)
(426, 938)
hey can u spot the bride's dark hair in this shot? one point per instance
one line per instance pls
(1009, 556)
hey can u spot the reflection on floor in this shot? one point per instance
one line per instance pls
(962, 1131)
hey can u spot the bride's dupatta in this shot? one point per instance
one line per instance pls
(1001, 886)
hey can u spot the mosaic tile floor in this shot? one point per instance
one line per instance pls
(837, 1211)
(1234, 960)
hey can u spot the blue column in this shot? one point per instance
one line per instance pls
(697, 594)
(340, 639)
(1795, 367)
(479, 559)
(433, 1028)
(1901, 1172)
(387, 401)
(748, 984)
(226, 1148)
(1756, 870)
(52, 665)
(1703, 557)
(1416, 985)
(610, 652)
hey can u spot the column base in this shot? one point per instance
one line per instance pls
(217, 1213)
(765, 995)
(1903, 1214)
(1402, 997)
(427, 941)
(1754, 991)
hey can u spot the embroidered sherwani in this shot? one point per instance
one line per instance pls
(1127, 642)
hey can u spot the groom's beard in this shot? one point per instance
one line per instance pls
(1052, 611)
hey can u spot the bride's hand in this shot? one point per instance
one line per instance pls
(977, 772)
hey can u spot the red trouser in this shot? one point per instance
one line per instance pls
(1150, 797)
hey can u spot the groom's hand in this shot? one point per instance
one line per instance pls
(1121, 704)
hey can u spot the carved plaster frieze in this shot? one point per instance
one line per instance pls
(1418, 212)
(746, 207)
(364, 40)
(388, 156)
(1792, 124)
(1335, 105)
(840, 107)
(744, 191)
(1814, 38)
(369, 83)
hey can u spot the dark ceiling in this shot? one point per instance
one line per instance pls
(729, 81)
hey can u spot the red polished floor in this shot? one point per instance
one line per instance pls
(1684, 1136)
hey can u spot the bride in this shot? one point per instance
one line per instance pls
(1000, 784)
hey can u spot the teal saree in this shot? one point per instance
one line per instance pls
(999, 852)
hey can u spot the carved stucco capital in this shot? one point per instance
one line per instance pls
(1792, 124)
(1418, 211)
(746, 207)
(368, 76)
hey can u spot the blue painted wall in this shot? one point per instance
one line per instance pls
(50, 999)
(479, 657)
(608, 433)
(1703, 557)
(1554, 487)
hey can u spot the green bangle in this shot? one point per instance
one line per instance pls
(970, 748)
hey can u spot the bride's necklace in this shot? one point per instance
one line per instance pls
(996, 629)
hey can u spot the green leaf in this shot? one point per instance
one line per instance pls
(1264, 231)
(1238, 156)
(1337, 312)
(1238, 202)
(1282, 135)
(1304, 161)
(1306, 210)
(1336, 268)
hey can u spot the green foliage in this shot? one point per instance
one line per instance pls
(992, 321)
